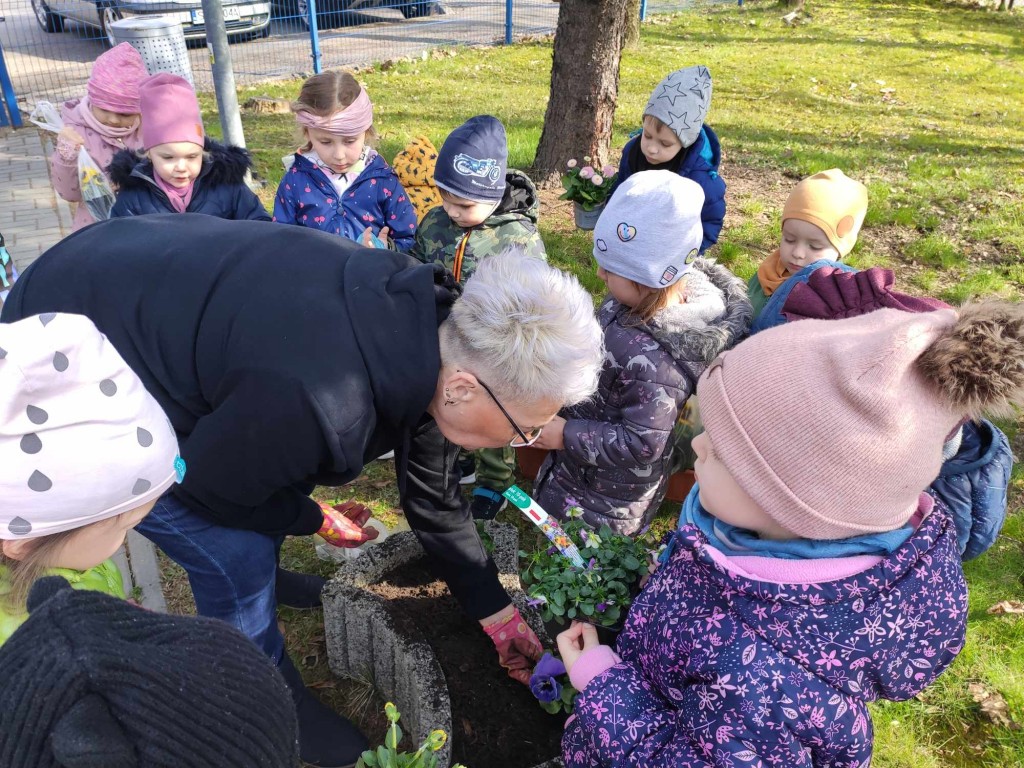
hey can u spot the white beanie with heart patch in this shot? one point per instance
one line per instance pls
(650, 231)
(81, 440)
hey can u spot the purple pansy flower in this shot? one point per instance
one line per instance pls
(544, 681)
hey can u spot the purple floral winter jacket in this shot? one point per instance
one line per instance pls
(617, 453)
(724, 671)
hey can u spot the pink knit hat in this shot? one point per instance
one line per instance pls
(835, 426)
(170, 111)
(115, 79)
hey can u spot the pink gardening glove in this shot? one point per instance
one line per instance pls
(344, 525)
(518, 646)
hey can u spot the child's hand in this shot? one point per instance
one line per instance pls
(579, 637)
(553, 436)
(375, 241)
(71, 136)
(345, 525)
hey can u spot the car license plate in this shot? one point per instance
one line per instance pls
(231, 13)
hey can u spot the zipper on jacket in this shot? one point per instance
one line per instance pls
(460, 253)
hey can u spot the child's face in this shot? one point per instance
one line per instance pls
(622, 289)
(114, 119)
(177, 163)
(91, 544)
(339, 152)
(658, 143)
(804, 243)
(722, 496)
(465, 213)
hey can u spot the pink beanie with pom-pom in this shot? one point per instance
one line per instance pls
(834, 427)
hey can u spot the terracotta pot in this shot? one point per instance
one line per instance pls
(529, 460)
(679, 485)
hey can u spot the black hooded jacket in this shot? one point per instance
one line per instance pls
(220, 190)
(276, 381)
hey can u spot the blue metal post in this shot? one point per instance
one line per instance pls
(643, 10)
(508, 22)
(314, 38)
(9, 96)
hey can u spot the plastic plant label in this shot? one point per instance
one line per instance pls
(547, 524)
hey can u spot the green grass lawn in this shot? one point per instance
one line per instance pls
(920, 99)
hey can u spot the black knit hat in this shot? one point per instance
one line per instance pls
(90, 681)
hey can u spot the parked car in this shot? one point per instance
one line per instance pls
(241, 17)
(340, 13)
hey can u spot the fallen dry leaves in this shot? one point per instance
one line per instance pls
(993, 706)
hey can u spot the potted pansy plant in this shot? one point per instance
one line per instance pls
(588, 188)
(600, 592)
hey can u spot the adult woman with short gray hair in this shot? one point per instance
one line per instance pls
(286, 358)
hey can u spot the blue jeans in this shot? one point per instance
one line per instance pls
(231, 570)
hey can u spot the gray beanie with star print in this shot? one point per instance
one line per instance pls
(81, 440)
(681, 101)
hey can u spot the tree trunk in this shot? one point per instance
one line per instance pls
(632, 38)
(584, 84)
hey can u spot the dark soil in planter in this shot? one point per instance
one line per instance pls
(496, 721)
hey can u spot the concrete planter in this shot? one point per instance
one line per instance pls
(363, 641)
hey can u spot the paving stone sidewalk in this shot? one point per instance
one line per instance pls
(33, 218)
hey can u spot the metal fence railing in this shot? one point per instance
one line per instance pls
(49, 45)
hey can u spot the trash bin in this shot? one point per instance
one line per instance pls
(159, 40)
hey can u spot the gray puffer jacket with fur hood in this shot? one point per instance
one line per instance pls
(618, 448)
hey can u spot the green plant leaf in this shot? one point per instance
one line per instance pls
(587, 608)
(571, 613)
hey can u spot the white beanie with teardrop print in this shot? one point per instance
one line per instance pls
(81, 440)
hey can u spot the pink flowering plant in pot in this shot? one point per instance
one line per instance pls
(600, 593)
(587, 186)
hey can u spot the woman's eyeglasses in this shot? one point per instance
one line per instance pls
(523, 439)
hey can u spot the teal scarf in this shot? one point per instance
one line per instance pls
(733, 541)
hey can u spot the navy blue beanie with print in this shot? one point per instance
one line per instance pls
(473, 160)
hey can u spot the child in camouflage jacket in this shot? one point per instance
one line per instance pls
(485, 209)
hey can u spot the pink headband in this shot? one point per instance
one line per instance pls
(354, 119)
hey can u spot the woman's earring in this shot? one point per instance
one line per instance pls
(448, 398)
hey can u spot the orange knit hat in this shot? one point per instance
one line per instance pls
(834, 203)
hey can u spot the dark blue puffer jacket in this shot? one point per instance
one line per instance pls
(219, 191)
(700, 164)
(973, 486)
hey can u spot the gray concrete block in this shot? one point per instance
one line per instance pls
(145, 571)
(362, 639)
